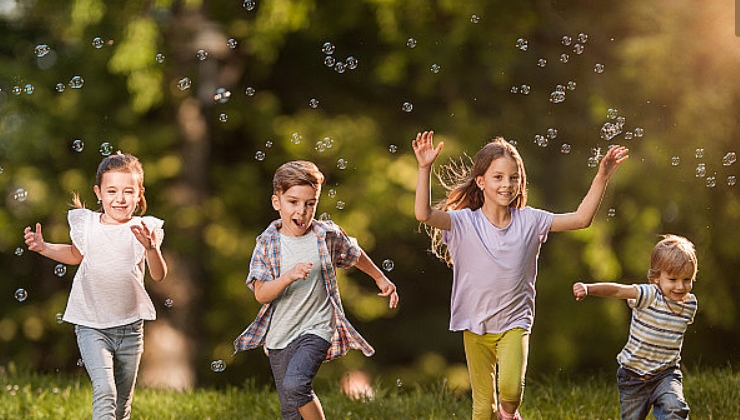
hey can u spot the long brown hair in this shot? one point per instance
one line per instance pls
(120, 162)
(458, 180)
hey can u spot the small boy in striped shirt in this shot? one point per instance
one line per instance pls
(649, 374)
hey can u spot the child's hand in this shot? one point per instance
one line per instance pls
(34, 240)
(147, 237)
(611, 161)
(424, 149)
(387, 288)
(580, 291)
(299, 271)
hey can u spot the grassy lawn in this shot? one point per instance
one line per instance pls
(712, 394)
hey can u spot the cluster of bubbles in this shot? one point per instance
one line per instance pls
(611, 130)
(218, 366)
(701, 168)
(349, 63)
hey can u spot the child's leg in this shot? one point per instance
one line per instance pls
(634, 395)
(669, 402)
(96, 349)
(480, 354)
(126, 366)
(294, 369)
(513, 351)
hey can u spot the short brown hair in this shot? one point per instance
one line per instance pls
(674, 255)
(297, 172)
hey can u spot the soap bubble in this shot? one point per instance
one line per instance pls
(249, 5)
(514, 89)
(21, 295)
(324, 216)
(340, 67)
(675, 161)
(564, 58)
(557, 97)
(320, 146)
(639, 132)
(729, 159)
(78, 145)
(76, 82)
(29, 89)
(522, 44)
(296, 138)
(571, 85)
(60, 87)
(699, 153)
(474, 19)
(223, 117)
(388, 265)
(218, 366)
(19, 251)
(578, 49)
(731, 180)
(566, 40)
(407, 107)
(582, 38)
(106, 148)
(80, 362)
(540, 140)
(250, 91)
(268, 144)
(98, 42)
(202, 55)
(342, 164)
(329, 61)
(525, 89)
(701, 170)
(565, 148)
(541, 62)
(351, 62)
(340, 205)
(552, 133)
(60, 270)
(313, 103)
(222, 95)
(435, 68)
(393, 148)
(168, 303)
(711, 182)
(331, 193)
(328, 48)
(20, 195)
(59, 317)
(184, 83)
(411, 43)
(159, 58)
(599, 68)
(259, 155)
(41, 50)
(232, 43)
(611, 212)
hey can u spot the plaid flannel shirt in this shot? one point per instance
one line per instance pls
(336, 249)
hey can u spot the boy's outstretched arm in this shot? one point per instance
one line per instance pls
(387, 288)
(63, 253)
(610, 290)
(586, 211)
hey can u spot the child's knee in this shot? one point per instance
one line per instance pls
(672, 406)
(297, 389)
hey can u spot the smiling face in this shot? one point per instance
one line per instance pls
(501, 183)
(674, 287)
(119, 193)
(297, 208)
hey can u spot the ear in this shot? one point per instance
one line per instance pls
(96, 189)
(479, 182)
(276, 202)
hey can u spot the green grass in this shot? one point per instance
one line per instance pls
(712, 394)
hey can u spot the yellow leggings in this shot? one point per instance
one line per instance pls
(506, 351)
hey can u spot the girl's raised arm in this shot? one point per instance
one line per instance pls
(426, 154)
(586, 211)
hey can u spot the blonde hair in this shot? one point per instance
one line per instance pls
(674, 255)
(120, 162)
(458, 178)
(297, 172)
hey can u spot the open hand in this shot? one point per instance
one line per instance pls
(387, 288)
(424, 148)
(147, 237)
(611, 161)
(34, 239)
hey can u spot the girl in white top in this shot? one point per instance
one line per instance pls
(108, 302)
(486, 228)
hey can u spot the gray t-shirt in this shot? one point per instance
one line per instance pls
(303, 307)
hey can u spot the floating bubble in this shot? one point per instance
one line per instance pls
(564, 58)
(78, 145)
(60, 87)
(184, 83)
(29, 89)
(202, 55)
(565, 148)
(609, 130)
(731, 180)
(351, 63)
(232, 43)
(729, 159)
(218, 366)
(541, 62)
(628, 135)
(159, 58)
(582, 38)
(324, 216)
(329, 142)
(399, 383)
(296, 138)
(60, 270)
(313, 103)
(388, 265)
(21, 295)
(407, 107)
(259, 155)
(611, 212)
(80, 362)
(59, 317)
(340, 67)
(557, 97)
(16, 90)
(249, 5)
(268, 144)
(540, 140)
(250, 91)
(41, 50)
(320, 146)
(19, 251)
(20, 195)
(552, 133)
(98, 42)
(328, 48)
(411, 43)
(222, 95)
(571, 85)
(76, 82)
(701, 170)
(168, 303)
(593, 162)
(105, 148)
(223, 117)
(393, 148)
(512, 142)
(331, 193)
(639, 132)
(621, 120)
(578, 49)
(435, 68)
(340, 205)
(514, 89)
(599, 68)
(699, 153)
(525, 89)
(711, 182)
(566, 40)
(329, 61)
(474, 19)
(675, 161)
(342, 164)
(522, 44)
(612, 113)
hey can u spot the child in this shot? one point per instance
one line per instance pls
(108, 303)
(293, 275)
(494, 239)
(649, 374)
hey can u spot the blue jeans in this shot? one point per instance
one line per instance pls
(111, 357)
(662, 391)
(294, 368)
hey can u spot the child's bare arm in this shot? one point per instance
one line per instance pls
(387, 288)
(426, 154)
(63, 253)
(610, 290)
(267, 291)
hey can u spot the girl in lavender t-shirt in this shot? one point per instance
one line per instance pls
(492, 239)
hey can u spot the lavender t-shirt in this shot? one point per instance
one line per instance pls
(494, 269)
